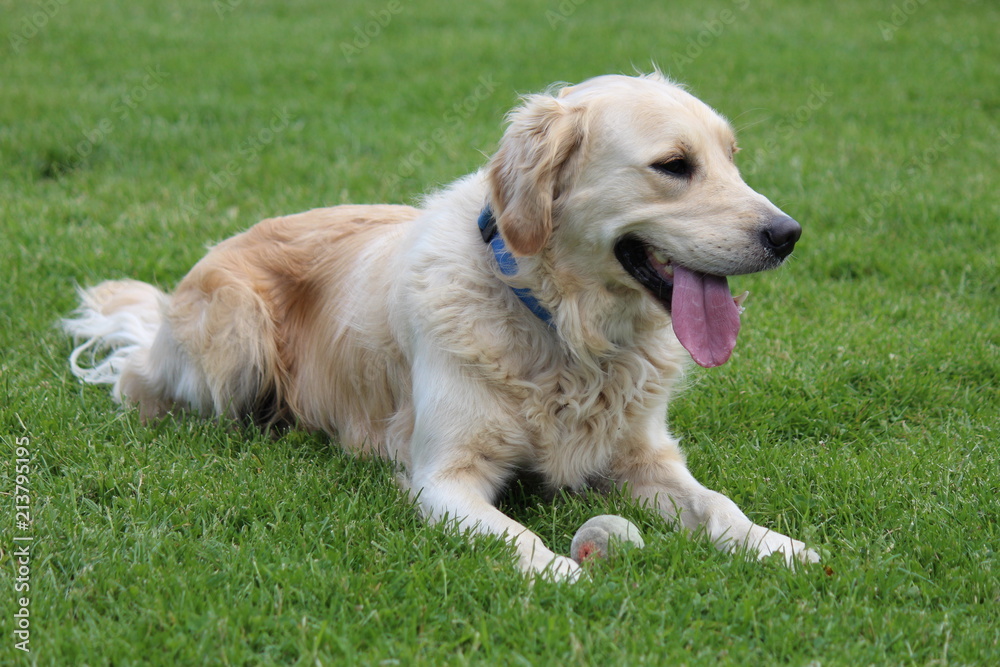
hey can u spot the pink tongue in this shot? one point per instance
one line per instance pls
(706, 319)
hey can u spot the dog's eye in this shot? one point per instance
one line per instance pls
(677, 166)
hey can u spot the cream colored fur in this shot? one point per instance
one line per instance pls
(393, 329)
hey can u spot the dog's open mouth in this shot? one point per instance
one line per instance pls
(704, 313)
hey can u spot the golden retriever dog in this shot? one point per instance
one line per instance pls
(533, 316)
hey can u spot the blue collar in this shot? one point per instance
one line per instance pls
(508, 263)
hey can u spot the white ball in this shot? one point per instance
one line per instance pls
(597, 537)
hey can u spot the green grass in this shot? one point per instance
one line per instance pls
(861, 410)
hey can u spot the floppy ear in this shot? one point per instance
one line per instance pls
(523, 174)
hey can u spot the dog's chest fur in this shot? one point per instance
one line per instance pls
(577, 412)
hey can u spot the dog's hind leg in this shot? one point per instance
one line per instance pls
(225, 328)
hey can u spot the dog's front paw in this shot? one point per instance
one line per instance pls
(794, 552)
(555, 568)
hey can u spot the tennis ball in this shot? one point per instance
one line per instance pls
(595, 538)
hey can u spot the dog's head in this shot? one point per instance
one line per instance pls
(634, 177)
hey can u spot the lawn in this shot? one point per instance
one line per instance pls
(860, 412)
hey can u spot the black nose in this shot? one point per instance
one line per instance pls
(780, 235)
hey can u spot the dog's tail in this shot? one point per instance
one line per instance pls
(139, 340)
(116, 323)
